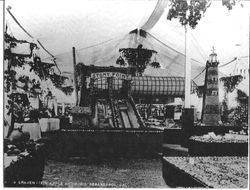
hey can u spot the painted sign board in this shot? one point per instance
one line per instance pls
(108, 74)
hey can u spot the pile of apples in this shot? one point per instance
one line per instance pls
(216, 172)
(227, 138)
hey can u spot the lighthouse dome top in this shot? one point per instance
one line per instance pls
(213, 56)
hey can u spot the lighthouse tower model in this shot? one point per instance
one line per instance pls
(211, 111)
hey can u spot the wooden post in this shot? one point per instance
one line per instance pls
(75, 77)
(187, 69)
(11, 127)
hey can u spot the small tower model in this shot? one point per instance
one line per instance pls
(211, 112)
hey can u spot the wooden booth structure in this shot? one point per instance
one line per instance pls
(108, 123)
(111, 93)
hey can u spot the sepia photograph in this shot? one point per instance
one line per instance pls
(126, 93)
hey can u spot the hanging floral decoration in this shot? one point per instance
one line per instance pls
(138, 58)
(242, 97)
(43, 70)
(19, 106)
(58, 82)
(231, 82)
(120, 61)
(200, 90)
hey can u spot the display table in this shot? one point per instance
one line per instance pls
(33, 129)
(212, 172)
(8, 160)
(49, 124)
(217, 145)
(23, 170)
(196, 148)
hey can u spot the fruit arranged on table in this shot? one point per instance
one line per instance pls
(227, 138)
(217, 172)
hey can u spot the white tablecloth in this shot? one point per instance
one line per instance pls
(8, 159)
(33, 129)
(49, 124)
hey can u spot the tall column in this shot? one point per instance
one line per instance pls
(187, 69)
(211, 111)
(75, 76)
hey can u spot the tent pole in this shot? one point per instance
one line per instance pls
(187, 69)
(75, 77)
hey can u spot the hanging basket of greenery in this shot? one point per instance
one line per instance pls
(138, 58)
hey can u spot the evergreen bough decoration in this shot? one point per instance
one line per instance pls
(231, 82)
(138, 58)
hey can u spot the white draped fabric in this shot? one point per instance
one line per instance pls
(156, 15)
(33, 129)
(49, 124)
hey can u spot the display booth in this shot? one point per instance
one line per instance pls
(111, 93)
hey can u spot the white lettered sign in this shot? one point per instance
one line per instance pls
(108, 74)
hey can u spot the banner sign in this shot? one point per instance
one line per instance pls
(108, 74)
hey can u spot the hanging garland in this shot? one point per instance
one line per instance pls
(58, 81)
(137, 58)
(231, 82)
(41, 69)
(12, 42)
(19, 106)
(18, 103)
(200, 90)
(242, 97)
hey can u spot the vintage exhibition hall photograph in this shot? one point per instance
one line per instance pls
(126, 93)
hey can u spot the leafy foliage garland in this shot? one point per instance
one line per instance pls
(137, 58)
(190, 14)
(19, 106)
(240, 114)
(18, 103)
(58, 81)
(231, 82)
(42, 70)
(240, 117)
(45, 71)
(242, 97)
(12, 42)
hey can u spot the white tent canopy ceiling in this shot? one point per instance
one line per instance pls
(98, 29)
